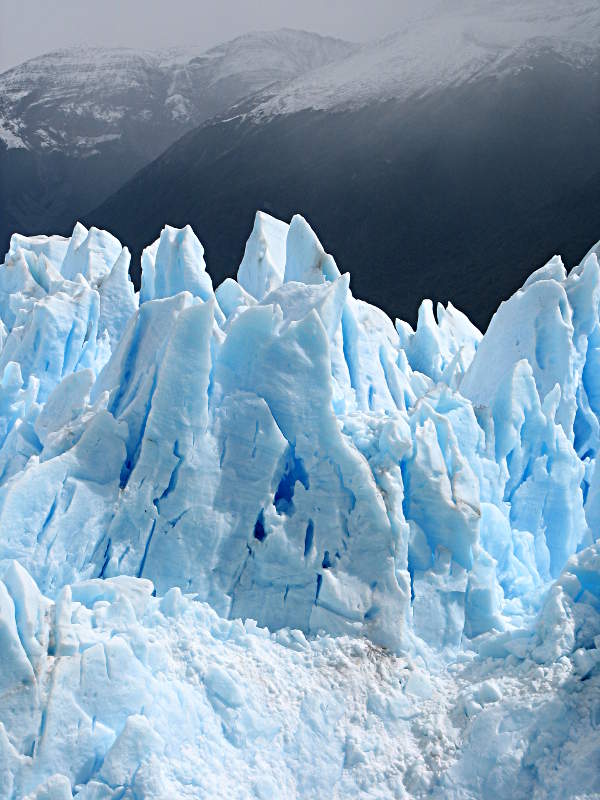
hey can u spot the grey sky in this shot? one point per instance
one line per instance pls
(31, 27)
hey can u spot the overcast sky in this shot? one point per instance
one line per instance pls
(31, 27)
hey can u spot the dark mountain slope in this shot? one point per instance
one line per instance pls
(454, 195)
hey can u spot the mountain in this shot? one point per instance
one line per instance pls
(468, 139)
(75, 124)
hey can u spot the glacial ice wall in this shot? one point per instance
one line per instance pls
(411, 516)
(279, 449)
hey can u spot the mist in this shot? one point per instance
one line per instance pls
(31, 27)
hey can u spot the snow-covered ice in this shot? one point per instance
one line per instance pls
(260, 542)
(110, 693)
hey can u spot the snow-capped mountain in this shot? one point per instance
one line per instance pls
(76, 100)
(461, 42)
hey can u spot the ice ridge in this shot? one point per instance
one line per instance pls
(279, 451)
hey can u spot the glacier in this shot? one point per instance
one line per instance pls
(259, 541)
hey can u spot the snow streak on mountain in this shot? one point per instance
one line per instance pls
(410, 515)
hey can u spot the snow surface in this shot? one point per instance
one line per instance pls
(260, 542)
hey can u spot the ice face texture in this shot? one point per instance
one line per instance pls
(417, 510)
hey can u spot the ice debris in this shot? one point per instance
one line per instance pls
(280, 451)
